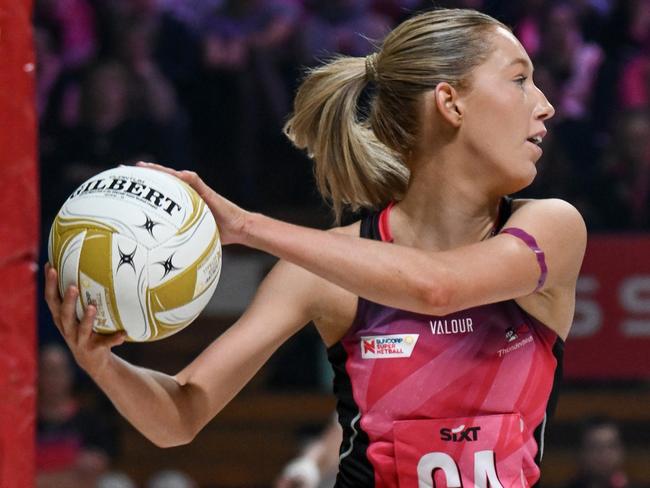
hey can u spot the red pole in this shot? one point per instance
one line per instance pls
(18, 245)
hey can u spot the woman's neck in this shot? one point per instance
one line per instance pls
(442, 210)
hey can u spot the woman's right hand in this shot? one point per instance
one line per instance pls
(90, 349)
(230, 218)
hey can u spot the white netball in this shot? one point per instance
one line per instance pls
(142, 247)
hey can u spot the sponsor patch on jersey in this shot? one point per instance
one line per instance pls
(388, 346)
(512, 333)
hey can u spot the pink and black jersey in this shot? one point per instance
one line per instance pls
(443, 401)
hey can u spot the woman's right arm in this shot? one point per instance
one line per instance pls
(170, 410)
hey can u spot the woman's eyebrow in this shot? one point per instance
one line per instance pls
(522, 61)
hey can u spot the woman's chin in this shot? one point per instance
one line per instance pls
(523, 180)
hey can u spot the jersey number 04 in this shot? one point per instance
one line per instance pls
(485, 474)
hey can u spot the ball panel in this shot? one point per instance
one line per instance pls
(96, 280)
(209, 269)
(179, 294)
(175, 319)
(129, 278)
(96, 294)
(182, 250)
(63, 229)
(68, 260)
(50, 244)
(197, 206)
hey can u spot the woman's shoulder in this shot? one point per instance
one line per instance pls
(556, 225)
(542, 207)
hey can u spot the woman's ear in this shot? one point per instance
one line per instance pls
(448, 104)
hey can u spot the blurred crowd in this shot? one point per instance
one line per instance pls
(207, 85)
(77, 436)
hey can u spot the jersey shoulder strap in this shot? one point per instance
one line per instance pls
(505, 211)
(370, 226)
(370, 223)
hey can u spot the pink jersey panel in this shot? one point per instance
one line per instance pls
(470, 387)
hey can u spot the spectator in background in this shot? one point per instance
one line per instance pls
(173, 28)
(171, 478)
(529, 27)
(397, 10)
(251, 36)
(73, 446)
(601, 456)
(109, 131)
(634, 85)
(73, 24)
(623, 189)
(625, 37)
(571, 65)
(341, 26)
(115, 479)
(123, 118)
(573, 62)
(67, 41)
(639, 28)
(49, 68)
(153, 93)
(592, 16)
(318, 463)
(135, 50)
(243, 93)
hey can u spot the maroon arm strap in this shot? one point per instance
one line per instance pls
(532, 244)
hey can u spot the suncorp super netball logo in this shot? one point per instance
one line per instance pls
(388, 346)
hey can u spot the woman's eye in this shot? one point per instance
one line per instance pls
(521, 80)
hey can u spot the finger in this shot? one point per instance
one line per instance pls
(68, 313)
(110, 340)
(52, 296)
(158, 167)
(85, 328)
(195, 181)
(189, 177)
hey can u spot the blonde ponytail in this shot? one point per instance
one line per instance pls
(352, 167)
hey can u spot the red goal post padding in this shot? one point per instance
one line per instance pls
(18, 245)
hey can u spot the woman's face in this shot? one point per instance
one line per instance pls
(504, 114)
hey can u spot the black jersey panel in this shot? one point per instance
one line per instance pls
(354, 468)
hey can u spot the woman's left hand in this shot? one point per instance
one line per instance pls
(230, 218)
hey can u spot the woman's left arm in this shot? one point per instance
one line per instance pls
(435, 283)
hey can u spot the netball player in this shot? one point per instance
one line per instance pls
(444, 312)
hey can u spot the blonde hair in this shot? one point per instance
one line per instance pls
(360, 161)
